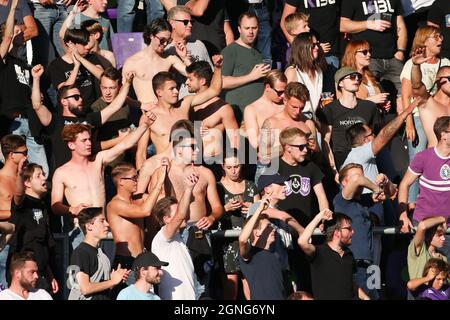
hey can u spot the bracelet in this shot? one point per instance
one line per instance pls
(401, 50)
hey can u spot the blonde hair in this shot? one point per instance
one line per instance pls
(291, 21)
(421, 36)
(273, 76)
(288, 135)
(175, 10)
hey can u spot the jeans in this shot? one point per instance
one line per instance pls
(388, 69)
(412, 151)
(3, 258)
(127, 12)
(36, 152)
(264, 40)
(49, 21)
(333, 60)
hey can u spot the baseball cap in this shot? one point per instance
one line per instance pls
(146, 259)
(343, 72)
(267, 180)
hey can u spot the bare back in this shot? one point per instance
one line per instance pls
(145, 64)
(429, 112)
(128, 233)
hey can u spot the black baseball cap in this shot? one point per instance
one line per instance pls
(267, 180)
(146, 259)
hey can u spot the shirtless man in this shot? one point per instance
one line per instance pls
(14, 149)
(151, 60)
(295, 97)
(126, 211)
(215, 115)
(270, 103)
(169, 109)
(434, 106)
(81, 180)
(151, 164)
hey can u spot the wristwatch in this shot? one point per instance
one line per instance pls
(402, 50)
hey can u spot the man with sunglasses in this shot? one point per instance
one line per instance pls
(15, 151)
(152, 60)
(182, 22)
(434, 106)
(342, 113)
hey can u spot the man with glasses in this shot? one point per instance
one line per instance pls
(434, 106)
(152, 59)
(126, 212)
(349, 200)
(342, 113)
(15, 151)
(304, 190)
(181, 21)
(332, 263)
(294, 99)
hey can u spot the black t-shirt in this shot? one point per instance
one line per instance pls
(300, 199)
(32, 230)
(383, 44)
(60, 70)
(341, 118)
(440, 14)
(332, 275)
(209, 27)
(85, 257)
(60, 151)
(264, 275)
(323, 18)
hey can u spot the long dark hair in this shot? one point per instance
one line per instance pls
(301, 54)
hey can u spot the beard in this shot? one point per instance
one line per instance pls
(27, 285)
(79, 111)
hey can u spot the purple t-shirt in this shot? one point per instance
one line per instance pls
(429, 293)
(434, 184)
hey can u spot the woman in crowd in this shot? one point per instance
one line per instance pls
(236, 195)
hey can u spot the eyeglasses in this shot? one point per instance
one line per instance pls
(316, 44)
(163, 41)
(75, 96)
(350, 228)
(437, 37)
(185, 21)
(445, 77)
(192, 146)
(25, 152)
(134, 178)
(354, 76)
(278, 92)
(365, 51)
(301, 147)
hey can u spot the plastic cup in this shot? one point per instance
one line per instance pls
(327, 97)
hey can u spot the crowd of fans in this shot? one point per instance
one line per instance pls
(247, 151)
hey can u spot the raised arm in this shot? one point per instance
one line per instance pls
(119, 100)
(183, 208)
(216, 84)
(31, 30)
(251, 126)
(9, 30)
(244, 246)
(357, 181)
(231, 126)
(418, 87)
(168, 4)
(74, 73)
(422, 227)
(287, 10)
(198, 7)
(390, 129)
(44, 115)
(20, 187)
(130, 140)
(79, 6)
(182, 60)
(402, 38)
(304, 239)
(95, 69)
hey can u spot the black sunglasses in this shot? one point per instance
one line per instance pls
(354, 76)
(75, 96)
(365, 51)
(135, 178)
(301, 147)
(185, 21)
(21, 152)
(279, 92)
(163, 41)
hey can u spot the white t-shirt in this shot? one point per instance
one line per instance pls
(39, 294)
(177, 281)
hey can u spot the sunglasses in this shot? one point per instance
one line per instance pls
(446, 77)
(365, 51)
(25, 152)
(135, 178)
(354, 76)
(163, 41)
(192, 146)
(185, 21)
(316, 44)
(301, 147)
(279, 92)
(75, 96)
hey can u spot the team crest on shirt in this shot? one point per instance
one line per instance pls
(299, 184)
(37, 215)
(445, 172)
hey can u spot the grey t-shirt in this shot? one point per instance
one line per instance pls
(239, 61)
(22, 11)
(364, 156)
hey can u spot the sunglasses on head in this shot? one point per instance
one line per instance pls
(75, 96)
(185, 21)
(365, 51)
(300, 147)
